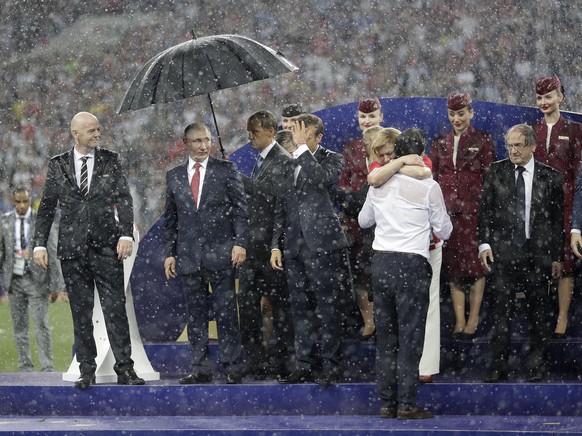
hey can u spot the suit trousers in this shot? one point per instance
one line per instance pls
(257, 279)
(315, 282)
(104, 272)
(401, 284)
(520, 274)
(25, 297)
(223, 301)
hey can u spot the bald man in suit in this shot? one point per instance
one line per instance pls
(89, 186)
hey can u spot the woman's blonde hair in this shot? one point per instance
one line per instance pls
(385, 136)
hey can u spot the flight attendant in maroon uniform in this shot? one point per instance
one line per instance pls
(460, 161)
(353, 179)
(559, 142)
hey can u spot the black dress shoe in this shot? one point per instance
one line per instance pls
(559, 335)
(195, 378)
(536, 375)
(496, 376)
(85, 381)
(129, 377)
(388, 412)
(234, 378)
(327, 377)
(297, 376)
(414, 413)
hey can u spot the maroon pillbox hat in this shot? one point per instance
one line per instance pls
(368, 105)
(548, 84)
(457, 101)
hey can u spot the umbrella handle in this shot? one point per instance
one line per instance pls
(216, 126)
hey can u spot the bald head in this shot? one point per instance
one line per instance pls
(86, 131)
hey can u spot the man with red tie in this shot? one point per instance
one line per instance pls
(205, 240)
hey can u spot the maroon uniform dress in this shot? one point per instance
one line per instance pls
(564, 156)
(353, 179)
(461, 186)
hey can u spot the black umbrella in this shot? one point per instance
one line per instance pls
(200, 66)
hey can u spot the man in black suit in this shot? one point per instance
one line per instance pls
(520, 236)
(257, 279)
(308, 237)
(205, 239)
(95, 236)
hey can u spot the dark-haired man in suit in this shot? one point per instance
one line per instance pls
(205, 239)
(520, 233)
(95, 236)
(257, 278)
(28, 285)
(308, 237)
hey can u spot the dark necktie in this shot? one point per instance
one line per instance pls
(195, 184)
(22, 234)
(257, 167)
(519, 228)
(84, 177)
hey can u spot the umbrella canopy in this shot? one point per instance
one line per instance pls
(200, 66)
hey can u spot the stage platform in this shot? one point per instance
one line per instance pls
(42, 403)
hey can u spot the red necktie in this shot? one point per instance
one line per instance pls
(195, 185)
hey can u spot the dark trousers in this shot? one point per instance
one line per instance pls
(104, 272)
(223, 300)
(401, 285)
(520, 274)
(257, 279)
(315, 281)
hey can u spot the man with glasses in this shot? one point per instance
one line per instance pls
(520, 234)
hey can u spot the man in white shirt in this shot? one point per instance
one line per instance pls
(404, 210)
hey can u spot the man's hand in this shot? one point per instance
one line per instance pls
(576, 244)
(412, 159)
(486, 258)
(41, 258)
(238, 256)
(557, 268)
(170, 267)
(277, 260)
(300, 133)
(124, 249)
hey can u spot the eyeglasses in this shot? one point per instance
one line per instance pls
(516, 146)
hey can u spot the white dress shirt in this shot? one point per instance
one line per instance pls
(404, 210)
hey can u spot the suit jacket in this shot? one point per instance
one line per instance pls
(461, 185)
(496, 215)
(204, 236)
(261, 199)
(563, 154)
(102, 217)
(50, 280)
(308, 206)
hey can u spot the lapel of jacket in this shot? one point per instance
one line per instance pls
(268, 161)
(98, 169)
(537, 192)
(69, 170)
(208, 179)
(184, 185)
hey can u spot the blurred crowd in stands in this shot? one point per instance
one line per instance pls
(58, 57)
